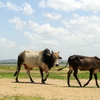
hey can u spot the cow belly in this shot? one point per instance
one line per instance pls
(31, 60)
(29, 66)
(83, 69)
(97, 70)
(31, 63)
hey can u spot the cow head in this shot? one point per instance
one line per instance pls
(51, 58)
(56, 57)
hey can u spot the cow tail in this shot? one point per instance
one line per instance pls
(19, 63)
(18, 68)
(63, 67)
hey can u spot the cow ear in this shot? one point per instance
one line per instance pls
(60, 58)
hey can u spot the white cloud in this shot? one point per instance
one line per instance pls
(40, 42)
(54, 16)
(84, 38)
(47, 29)
(27, 8)
(1, 4)
(45, 36)
(71, 5)
(33, 25)
(19, 23)
(62, 5)
(8, 49)
(33, 37)
(85, 24)
(75, 15)
(80, 37)
(13, 6)
(42, 4)
(65, 23)
(90, 5)
(6, 44)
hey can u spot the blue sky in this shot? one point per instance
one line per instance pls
(68, 26)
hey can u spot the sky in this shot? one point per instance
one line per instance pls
(66, 26)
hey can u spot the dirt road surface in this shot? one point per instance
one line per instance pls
(53, 89)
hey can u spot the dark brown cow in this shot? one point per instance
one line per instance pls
(91, 64)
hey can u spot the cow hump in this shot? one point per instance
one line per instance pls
(49, 60)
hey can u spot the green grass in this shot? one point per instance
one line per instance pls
(22, 97)
(8, 72)
(7, 68)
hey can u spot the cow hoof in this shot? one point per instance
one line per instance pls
(32, 81)
(44, 79)
(84, 85)
(43, 82)
(98, 87)
(17, 81)
(68, 85)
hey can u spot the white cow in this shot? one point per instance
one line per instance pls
(44, 60)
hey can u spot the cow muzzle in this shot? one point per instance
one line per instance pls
(57, 64)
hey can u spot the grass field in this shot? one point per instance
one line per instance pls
(22, 97)
(8, 72)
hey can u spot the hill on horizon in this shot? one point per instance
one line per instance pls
(15, 61)
(8, 61)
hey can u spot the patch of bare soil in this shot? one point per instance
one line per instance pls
(53, 89)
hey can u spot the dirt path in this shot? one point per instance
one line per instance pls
(53, 89)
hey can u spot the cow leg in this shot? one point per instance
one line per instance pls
(47, 74)
(90, 78)
(28, 73)
(68, 75)
(41, 71)
(75, 75)
(17, 73)
(95, 76)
